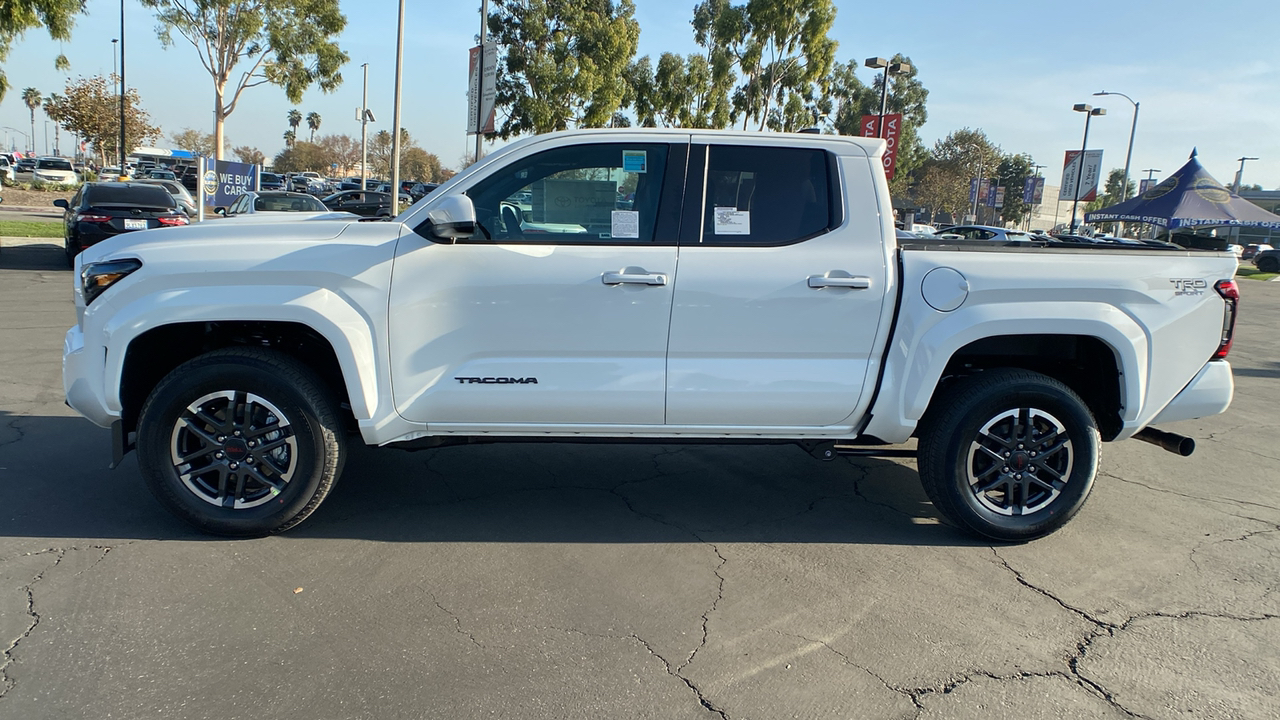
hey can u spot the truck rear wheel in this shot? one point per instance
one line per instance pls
(1008, 454)
(240, 442)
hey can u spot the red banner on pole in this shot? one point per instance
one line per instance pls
(892, 129)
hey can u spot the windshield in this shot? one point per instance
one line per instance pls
(53, 165)
(288, 203)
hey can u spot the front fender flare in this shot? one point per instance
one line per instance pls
(344, 326)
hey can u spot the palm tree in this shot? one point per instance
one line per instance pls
(289, 137)
(31, 97)
(50, 106)
(313, 122)
(295, 119)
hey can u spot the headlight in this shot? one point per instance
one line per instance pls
(95, 278)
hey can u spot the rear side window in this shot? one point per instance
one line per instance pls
(765, 195)
(149, 195)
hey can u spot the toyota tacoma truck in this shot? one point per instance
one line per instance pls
(641, 286)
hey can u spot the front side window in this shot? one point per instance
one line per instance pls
(765, 195)
(580, 194)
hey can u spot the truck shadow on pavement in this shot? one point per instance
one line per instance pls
(54, 483)
(42, 256)
(1269, 370)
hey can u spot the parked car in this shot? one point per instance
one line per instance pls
(1250, 251)
(109, 174)
(366, 203)
(101, 210)
(6, 170)
(179, 193)
(24, 166)
(307, 182)
(54, 170)
(272, 201)
(405, 198)
(1268, 261)
(986, 232)
(161, 175)
(270, 181)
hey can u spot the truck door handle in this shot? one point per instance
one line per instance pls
(633, 276)
(820, 281)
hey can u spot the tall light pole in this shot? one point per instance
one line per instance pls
(1151, 175)
(897, 68)
(113, 54)
(395, 120)
(123, 151)
(364, 131)
(1124, 191)
(484, 34)
(1238, 173)
(1035, 184)
(1089, 112)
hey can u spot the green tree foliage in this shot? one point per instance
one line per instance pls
(944, 180)
(295, 119)
(19, 16)
(251, 155)
(193, 141)
(51, 102)
(679, 93)
(415, 163)
(290, 137)
(721, 28)
(32, 99)
(907, 95)
(301, 156)
(289, 43)
(562, 63)
(313, 124)
(1111, 195)
(90, 108)
(1013, 172)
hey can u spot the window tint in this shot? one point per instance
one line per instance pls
(53, 165)
(130, 195)
(765, 195)
(288, 203)
(578, 194)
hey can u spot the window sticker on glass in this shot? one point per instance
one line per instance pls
(634, 161)
(626, 224)
(732, 221)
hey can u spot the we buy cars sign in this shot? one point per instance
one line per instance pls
(892, 129)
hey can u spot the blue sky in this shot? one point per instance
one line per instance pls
(1206, 74)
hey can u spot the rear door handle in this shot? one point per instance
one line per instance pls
(820, 281)
(633, 276)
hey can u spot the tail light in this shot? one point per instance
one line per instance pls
(174, 220)
(90, 217)
(1231, 296)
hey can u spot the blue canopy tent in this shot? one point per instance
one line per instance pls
(1189, 198)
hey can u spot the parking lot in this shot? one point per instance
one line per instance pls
(618, 581)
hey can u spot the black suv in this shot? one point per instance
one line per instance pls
(101, 210)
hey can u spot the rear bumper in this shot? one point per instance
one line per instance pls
(1209, 393)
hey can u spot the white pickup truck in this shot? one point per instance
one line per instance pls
(641, 286)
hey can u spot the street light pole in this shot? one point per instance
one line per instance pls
(898, 68)
(1124, 191)
(1236, 189)
(1089, 111)
(364, 131)
(395, 121)
(484, 33)
(113, 55)
(123, 151)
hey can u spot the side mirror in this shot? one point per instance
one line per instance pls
(61, 203)
(452, 218)
(220, 210)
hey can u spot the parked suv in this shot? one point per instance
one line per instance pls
(102, 210)
(54, 170)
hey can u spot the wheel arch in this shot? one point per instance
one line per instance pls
(1015, 336)
(153, 353)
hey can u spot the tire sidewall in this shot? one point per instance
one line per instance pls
(177, 392)
(1085, 441)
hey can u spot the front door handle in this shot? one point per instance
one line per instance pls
(860, 282)
(633, 276)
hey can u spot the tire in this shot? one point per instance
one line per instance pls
(221, 471)
(1269, 264)
(974, 442)
(72, 249)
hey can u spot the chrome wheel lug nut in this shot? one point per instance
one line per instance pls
(218, 455)
(222, 438)
(1015, 477)
(1007, 453)
(235, 465)
(237, 434)
(1004, 469)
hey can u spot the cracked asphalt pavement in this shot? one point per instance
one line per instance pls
(614, 581)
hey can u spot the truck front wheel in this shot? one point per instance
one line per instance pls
(240, 442)
(1008, 454)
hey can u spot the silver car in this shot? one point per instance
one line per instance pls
(986, 232)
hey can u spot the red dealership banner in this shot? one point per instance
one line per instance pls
(892, 129)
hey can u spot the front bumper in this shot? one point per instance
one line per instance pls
(1209, 393)
(82, 376)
